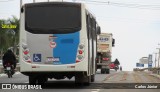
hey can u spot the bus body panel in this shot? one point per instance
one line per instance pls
(66, 48)
(24, 66)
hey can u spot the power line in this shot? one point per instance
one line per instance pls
(129, 5)
(6, 0)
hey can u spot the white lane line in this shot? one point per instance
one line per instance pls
(95, 90)
(26, 82)
(17, 73)
(3, 74)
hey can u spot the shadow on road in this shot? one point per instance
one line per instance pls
(64, 85)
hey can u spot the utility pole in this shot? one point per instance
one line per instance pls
(158, 56)
(155, 58)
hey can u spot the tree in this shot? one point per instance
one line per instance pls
(15, 21)
(3, 40)
(9, 37)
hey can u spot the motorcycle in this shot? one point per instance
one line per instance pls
(9, 70)
(116, 68)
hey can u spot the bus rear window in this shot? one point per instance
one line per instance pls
(52, 18)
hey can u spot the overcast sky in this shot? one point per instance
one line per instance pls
(135, 25)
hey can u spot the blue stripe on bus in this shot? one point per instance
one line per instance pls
(66, 48)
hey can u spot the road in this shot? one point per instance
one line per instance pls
(104, 82)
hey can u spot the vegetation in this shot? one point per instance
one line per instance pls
(9, 37)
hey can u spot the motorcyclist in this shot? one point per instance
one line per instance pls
(121, 68)
(9, 57)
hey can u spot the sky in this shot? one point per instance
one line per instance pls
(135, 25)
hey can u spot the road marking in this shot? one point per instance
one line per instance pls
(137, 77)
(95, 90)
(151, 78)
(124, 77)
(26, 82)
(3, 74)
(109, 76)
(17, 73)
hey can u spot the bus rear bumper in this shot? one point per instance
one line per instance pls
(54, 68)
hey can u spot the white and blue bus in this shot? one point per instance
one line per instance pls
(57, 40)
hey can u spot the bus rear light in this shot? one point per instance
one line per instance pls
(24, 46)
(81, 46)
(80, 57)
(26, 52)
(29, 61)
(33, 66)
(77, 61)
(80, 52)
(26, 55)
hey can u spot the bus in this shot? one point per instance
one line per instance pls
(58, 40)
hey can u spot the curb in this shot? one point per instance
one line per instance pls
(155, 75)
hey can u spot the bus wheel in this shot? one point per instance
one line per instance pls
(81, 78)
(42, 80)
(32, 80)
(92, 78)
(78, 79)
(102, 70)
(107, 71)
(86, 80)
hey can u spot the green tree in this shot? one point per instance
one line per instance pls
(15, 39)
(9, 37)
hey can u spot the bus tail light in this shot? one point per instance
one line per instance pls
(26, 55)
(80, 53)
(26, 52)
(77, 61)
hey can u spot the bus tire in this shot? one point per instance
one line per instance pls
(102, 71)
(87, 80)
(92, 78)
(42, 80)
(32, 80)
(78, 79)
(81, 79)
(107, 71)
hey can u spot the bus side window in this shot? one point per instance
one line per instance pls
(94, 29)
(88, 27)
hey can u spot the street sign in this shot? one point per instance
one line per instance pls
(139, 65)
(150, 61)
(36, 57)
(142, 65)
(149, 65)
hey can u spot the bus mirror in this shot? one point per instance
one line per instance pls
(22, 9)
(113, 42)
(98, 30)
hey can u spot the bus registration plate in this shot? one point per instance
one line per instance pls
(8, 68)
(51, 59)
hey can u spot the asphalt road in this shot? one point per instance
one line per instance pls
(104, 82)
